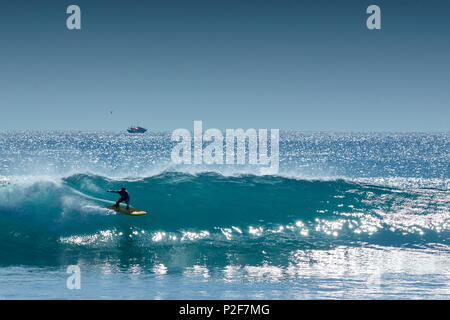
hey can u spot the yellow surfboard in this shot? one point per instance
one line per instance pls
(130, 212)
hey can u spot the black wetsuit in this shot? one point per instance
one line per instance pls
(124, 196)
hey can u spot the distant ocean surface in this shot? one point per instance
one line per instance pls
(348, 216)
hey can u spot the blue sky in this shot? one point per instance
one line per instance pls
(305, 65)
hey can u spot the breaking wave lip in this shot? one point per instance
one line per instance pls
(386, 181)
(210, 211)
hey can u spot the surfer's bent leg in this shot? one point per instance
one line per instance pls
(119, 201)
(128, 204)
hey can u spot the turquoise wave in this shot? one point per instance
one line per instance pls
(211, 218)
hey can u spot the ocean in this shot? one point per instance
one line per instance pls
(348, 216)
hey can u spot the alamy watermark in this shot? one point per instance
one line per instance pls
(74, 280)
(73, 21)
(229, 149)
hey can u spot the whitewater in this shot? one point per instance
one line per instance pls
(348, 216)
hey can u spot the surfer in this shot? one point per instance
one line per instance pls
(124, 196)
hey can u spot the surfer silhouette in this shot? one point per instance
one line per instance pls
(124, 196)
